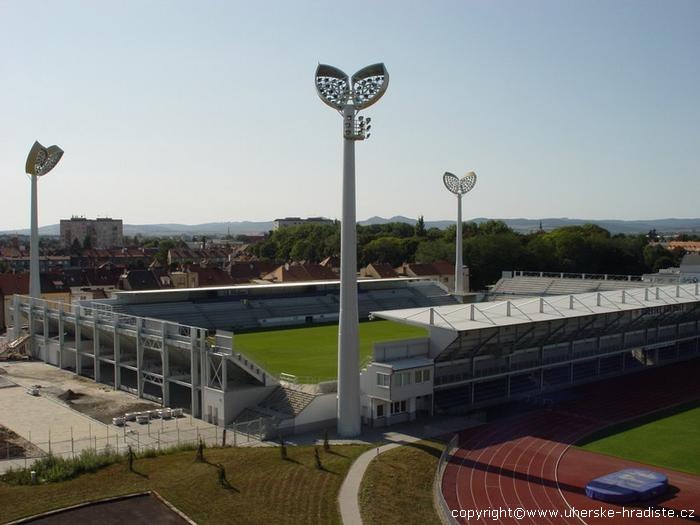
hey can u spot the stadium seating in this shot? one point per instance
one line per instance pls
(533, 286)
(236, 314)
(282, 403)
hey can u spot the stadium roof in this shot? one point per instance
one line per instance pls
(183, 294)
(476, 316)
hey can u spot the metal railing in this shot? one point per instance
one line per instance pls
(566, 275)
(443, 510)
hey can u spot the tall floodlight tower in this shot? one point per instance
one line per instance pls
(40, 161)
(459, 187)
(348, 96)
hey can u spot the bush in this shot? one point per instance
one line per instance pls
(53, 468)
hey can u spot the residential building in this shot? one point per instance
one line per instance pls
(100, 233)
(378, 271)
(440, 271)
(297, 221)
(300, 272)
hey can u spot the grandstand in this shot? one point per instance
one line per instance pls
(253, 307)
(497, 351)
(175, 346)
(540, 284)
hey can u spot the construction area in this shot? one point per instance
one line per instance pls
(48, 410)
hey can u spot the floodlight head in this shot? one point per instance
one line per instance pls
(362, 90)
(369, 84)
(41, 160)
(459, 186)
(332, 85)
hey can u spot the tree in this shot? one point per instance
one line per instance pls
(163, 247)
(317, 459)
(200, 451)
(431, 251)
(87, 242)
(420, 227)
(383, 250)
(283, 448)
(76, 247)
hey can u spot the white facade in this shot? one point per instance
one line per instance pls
(297, 221)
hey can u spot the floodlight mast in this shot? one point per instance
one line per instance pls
(459, 188)
(40, 161)
(348, 96)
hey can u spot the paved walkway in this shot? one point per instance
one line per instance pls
(398, 435)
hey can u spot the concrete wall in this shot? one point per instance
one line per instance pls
(320, 414)
(240, 398)
(213, 406)
(440, 338)
(393, 350)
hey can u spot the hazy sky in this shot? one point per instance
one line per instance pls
(206, 111)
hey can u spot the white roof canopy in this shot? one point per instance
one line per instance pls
(476, 316)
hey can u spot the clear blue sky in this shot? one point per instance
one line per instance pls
(206, 111)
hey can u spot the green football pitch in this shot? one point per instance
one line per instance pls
(313, 351)
(668, 439)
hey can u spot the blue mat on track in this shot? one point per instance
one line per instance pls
(632, 484)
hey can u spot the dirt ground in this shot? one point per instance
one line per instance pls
(98, 401)
(13, 446)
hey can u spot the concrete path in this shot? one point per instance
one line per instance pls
(348, 498)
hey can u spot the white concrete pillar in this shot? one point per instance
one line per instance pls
(349, 421)
(96, 346)
(117, 355)
(139, 357)
(459, 282)
(165, 369)
(34, 281)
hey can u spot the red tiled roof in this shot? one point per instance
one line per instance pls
(288, 273)
(383, 270)
(14, 283)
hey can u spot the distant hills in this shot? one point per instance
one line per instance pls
(521, 225)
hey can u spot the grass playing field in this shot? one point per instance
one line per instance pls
(667, 439)
(313, 351)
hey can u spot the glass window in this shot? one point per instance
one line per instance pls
(418, 377)
(380, 410)
(397, 407)
(383, 379)
(426, 374)
(402, 378)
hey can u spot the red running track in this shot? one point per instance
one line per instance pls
(525, 461)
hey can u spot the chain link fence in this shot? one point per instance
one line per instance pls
(139, 437)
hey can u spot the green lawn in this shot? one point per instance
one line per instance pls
(264, 488)
(397, 487)
(313, 351)
(669, 439)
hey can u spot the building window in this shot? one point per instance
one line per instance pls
(426, 375)
(418, 376)
(402, 378)
(398, 407)
(380, 410)
(383, 379)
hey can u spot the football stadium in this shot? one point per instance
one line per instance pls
(269, 352)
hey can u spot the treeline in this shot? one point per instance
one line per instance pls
(489, 248)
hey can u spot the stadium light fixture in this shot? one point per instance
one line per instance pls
(348, 96)
(459, 187)
(40, 161)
